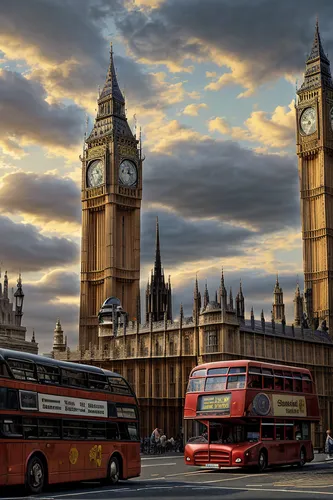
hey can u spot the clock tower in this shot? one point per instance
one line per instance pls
(314, 114)
(111, 203)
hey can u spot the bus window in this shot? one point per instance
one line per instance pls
(297, 382)
(96, 430)
(119, 386)
(288, 384)
(74, 429)
(268, 379)
(48, 428)
(30, 428)
(254, 381)
(4, 370)
(267, 429)
(237, 369)
(215, 383)
(278, 383)
(22, 370)
(99, 382)
(112, 432)
(196, 385)
(289, 431)
(133, 431)
(236, 382)
(10, 428)
(279, 432)
(305, 429)
(307, 384)
(8, 399)
(214, 371)
(74, 378)
(48, 374)
(201, 373)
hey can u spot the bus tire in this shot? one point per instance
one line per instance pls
(35, 475)
(262, 461)
(302, 457)
(113, 471)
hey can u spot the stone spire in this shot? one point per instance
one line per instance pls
(206, 297)
(252, 319)
(231, 300)
(111, 87)
(298, 306)
(278, 305)
(33, 339)
(318, 69)
(157, 264)
(263, 324)
(240, 304)
(158, 295)
(196, 301)
(5, 286)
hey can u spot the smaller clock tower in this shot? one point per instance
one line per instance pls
(111, 203)
(314, 114)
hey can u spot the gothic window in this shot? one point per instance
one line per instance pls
(158, 383)
(142, 382)
(172, 382)
(171, 348)
(130, 377)
(187, 345)
(211, 341)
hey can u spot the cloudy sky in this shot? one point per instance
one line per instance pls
(212, 84)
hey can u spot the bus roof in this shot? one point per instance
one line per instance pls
(43, 360)
(246, 362)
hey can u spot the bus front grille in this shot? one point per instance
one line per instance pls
(213, 457)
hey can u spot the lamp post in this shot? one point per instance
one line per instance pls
(19, 298)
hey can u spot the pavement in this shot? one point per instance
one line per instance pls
(167, 477)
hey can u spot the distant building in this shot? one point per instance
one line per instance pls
(12, 333)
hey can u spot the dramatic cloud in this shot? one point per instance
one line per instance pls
(224, 181)
(28, 119)
(257, 41)
(193, 109)
(185, 240)
(44, 197)
(22, 247)
(275, 131)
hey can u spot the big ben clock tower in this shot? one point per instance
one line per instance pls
(111, 203)
(314, 114)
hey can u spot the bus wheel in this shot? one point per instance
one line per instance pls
(262, 461)
(35, 475)
(114, 471)
(302, 457)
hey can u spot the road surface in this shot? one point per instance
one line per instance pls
(167, 477)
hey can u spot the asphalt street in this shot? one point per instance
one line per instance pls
(168, 477)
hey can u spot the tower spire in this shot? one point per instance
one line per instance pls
(317, 70)
(111, 86)
(158, 265)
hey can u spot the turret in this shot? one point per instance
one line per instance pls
(5, 286)
(58, 338)
(231, 300)
(223, 293)
(298, 306)
(240, 304)
(278, 305)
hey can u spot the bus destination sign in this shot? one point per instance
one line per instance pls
(219, 404)
(72, 406)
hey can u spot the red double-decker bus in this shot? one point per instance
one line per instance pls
(251, 414)
(63, 422)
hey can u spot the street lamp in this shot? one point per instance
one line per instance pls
(19, 297)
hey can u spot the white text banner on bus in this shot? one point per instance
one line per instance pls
(72, 406)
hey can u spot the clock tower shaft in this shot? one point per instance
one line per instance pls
(111, 205)
(315, 165)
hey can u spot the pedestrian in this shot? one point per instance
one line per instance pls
(163, 442)
(329, 445)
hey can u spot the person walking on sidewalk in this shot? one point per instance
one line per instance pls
(329, 445)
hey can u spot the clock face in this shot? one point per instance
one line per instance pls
(308, 121)
(128, 174)
(95, 173)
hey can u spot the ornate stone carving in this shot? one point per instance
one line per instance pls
(96, 152)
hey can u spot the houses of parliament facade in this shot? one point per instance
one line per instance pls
(156, 353)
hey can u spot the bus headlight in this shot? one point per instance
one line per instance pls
(238, 460)
(188, 459)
